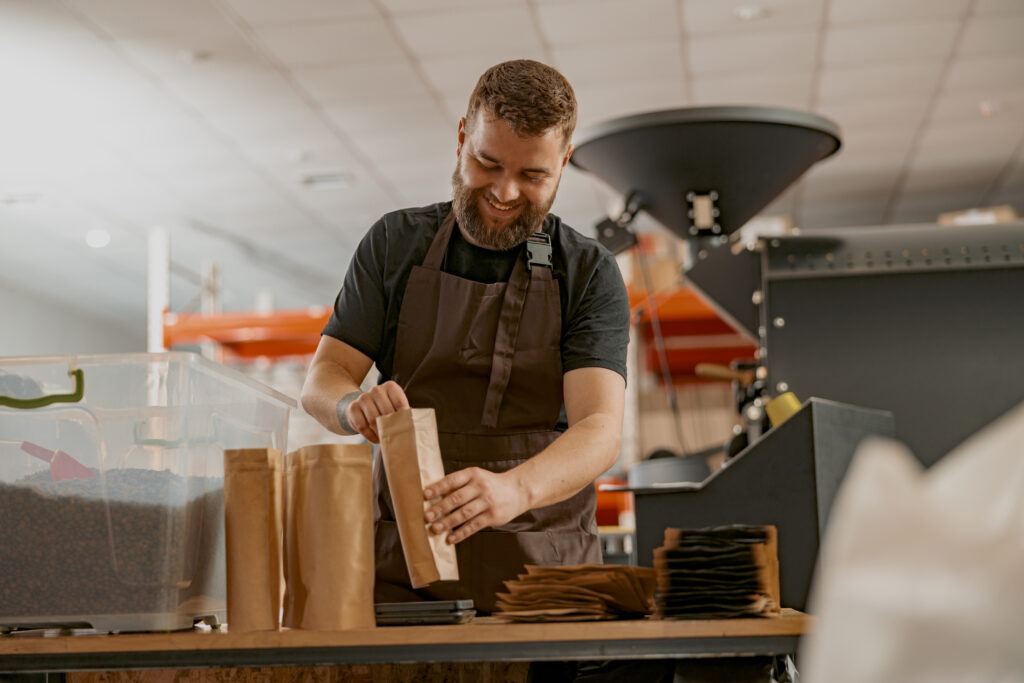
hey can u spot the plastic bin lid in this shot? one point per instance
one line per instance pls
(747, 155)
(202, 364)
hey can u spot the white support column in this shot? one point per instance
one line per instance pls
(158, 288)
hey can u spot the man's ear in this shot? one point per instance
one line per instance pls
(462, 135)
(568, 153)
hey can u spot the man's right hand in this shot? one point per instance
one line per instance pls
(383, 399)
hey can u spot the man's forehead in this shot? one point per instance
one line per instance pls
(486, 122)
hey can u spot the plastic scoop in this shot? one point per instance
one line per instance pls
(62, 465)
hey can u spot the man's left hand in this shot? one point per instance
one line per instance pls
(473, 499)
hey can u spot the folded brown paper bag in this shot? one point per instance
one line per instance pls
(412, 460)
(253, 530)
(329, 567)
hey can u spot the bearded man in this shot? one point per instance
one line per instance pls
(507, 322)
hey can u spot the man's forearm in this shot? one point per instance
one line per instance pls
(325, 386)
(574, 460)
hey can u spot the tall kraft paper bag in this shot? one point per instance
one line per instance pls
(412, 460)
(329, 569)
(253, 537)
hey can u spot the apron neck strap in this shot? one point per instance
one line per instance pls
(533, 266)
(435, 255)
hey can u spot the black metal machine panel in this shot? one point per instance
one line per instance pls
(726, 280)
(924, 321)
(788, 478)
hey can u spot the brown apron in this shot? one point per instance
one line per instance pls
(487, 359)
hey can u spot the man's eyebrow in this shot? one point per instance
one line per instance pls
(490, 159)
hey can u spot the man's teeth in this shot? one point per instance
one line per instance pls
(502, 207)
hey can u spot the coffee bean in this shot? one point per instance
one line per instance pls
(127, 542)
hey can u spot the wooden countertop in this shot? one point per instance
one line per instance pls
(484, 639)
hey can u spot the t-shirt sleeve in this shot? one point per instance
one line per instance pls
(597, 332)
(361, 306)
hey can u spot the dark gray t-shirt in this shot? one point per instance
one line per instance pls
(595, 306)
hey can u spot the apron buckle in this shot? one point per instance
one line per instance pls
(538, 250)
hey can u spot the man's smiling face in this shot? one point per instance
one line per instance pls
(504, 184)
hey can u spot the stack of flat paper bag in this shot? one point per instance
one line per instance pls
(577, 593)
(718, 572)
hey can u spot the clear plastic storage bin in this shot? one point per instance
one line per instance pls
(112, 486)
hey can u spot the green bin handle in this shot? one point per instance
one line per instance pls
(30, 403)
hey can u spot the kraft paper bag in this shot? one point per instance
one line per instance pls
(412, 460)
(253, 535)
(329, 568)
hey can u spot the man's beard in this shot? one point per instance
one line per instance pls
(467, 213)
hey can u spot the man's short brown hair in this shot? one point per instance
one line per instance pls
(531, 97)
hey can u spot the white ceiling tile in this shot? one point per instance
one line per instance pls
(1011, 193)
(997, 103)
(954, 175)
(130, 18)
(854, 83)
(649, 60)
(886, 43)
(356, 41)
(422, 194)
(610, 100)
(41, 23)
(395, 145)
(839, 215)
(714, 16)
(493, 28)
(257, 12)
(925, 206)
(899, 111)
(879, 11)
(169, 57)
(364, 192)
(456, 75)
(226, 89)
(993, 35)
(858, 169)
(998, 7)
(985, 72)
(576, 189)
(219, 184)
(401, 113)
(292, 127)
(753, 53)
(877, 142)
(774, 88)
(420, 6)
(785, 203)
(981, 136)
(457, 106)
(862, 185)
(433, 172)
(366, 83)
(608, 20)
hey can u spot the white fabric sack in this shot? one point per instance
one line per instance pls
(921, 574)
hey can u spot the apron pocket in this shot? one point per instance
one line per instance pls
(489, 558)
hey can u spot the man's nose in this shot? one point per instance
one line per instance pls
(505, 190)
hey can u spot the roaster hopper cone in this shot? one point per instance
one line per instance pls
(706, 171)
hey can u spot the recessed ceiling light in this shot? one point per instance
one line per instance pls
(18, 197)
(98, 238)
(989, 107)
(194, 55)
(327, 179)
(750, 12)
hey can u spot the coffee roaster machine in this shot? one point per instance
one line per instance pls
(907, 331)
